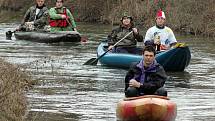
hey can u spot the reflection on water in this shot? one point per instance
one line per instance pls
(69, 91)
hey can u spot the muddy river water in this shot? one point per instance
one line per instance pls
(67, 90)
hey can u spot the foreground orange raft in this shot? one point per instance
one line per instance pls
(146, 108)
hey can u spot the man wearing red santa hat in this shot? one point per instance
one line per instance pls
(160, 36)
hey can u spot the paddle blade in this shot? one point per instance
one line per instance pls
(9, 35)
(84, 39)
(92, 61)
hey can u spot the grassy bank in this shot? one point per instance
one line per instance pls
(13, 85)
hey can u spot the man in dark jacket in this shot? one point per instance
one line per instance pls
(147, 77)
(128, 45)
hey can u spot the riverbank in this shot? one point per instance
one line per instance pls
(16, 18)
(13, 85)
(190, 17)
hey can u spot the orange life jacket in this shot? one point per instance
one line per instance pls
(59, 22)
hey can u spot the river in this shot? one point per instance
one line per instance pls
(67, 90)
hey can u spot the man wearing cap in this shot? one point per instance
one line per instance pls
(160, 36)
(128, 45)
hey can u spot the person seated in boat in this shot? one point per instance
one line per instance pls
(146, 77)
(128, 45)
(61, 19)
(160, 36)
(36, 17)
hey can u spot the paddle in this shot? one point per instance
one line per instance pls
(83, 38)
(9, 35)
(94, 61)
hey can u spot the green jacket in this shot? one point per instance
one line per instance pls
(53, 14)
(40, 20)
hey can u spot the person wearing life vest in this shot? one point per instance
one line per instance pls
(160, 36)
(35, 18)
(61, 19)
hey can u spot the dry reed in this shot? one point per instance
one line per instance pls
(13, 84)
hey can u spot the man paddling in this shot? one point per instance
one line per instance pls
(127, 45)
(147, 77)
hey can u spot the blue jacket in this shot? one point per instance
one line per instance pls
(151, 78)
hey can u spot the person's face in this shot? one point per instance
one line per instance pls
(40, 2)
(160, 21)
(59, 3)
(148, 58)
(126, 21)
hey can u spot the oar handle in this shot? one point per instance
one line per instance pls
(115, 44)
(122, 38)
(70, 24)
(68, 21)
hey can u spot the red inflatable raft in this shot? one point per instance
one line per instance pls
(146, 108)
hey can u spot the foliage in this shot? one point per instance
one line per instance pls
(191, 16)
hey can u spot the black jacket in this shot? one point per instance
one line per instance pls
(119, 33)
(153, 79)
